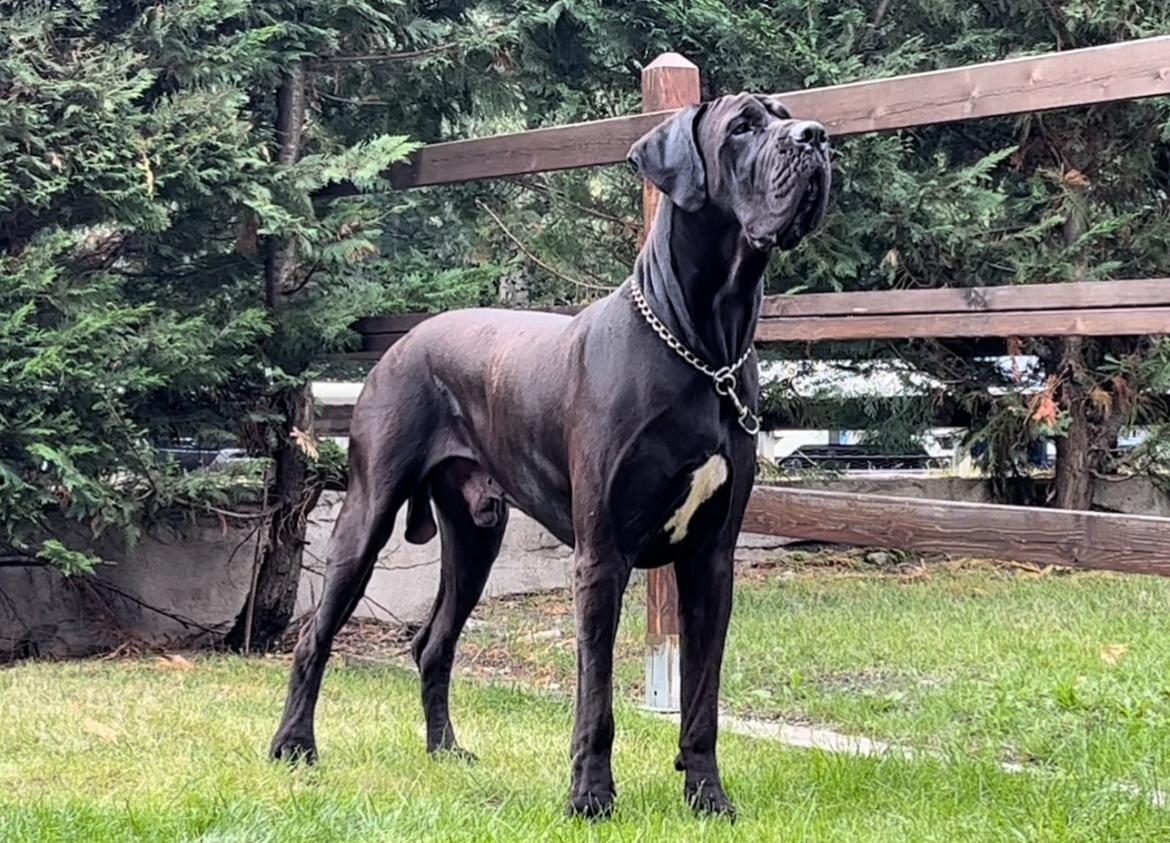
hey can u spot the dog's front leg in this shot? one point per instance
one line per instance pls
(704, 591)
(599, 581)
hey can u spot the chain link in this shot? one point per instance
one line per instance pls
(724, 379)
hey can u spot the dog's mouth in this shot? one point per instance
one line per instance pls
(810, 207)
(808, 211)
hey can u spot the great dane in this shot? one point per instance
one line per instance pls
(627, 431)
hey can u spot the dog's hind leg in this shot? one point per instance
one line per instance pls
(472, 519)
(378, 486)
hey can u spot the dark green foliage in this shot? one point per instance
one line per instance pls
(137, 191)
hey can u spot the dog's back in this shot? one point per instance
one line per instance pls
(476, 384)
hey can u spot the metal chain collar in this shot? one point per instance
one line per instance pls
(724, 379)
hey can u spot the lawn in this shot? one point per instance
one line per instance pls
(1063, 673)
(1067, 673)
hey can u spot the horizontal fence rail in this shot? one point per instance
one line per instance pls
(1084, 308)
(1071, 295)
(1104, 541)
(1099, 322)
(1129, 70)
(847, 413)
(1133, 544)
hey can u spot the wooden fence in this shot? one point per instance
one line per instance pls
(1136, 307)
(1073, 78)
(1086, 308)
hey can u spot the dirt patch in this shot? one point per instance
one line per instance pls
(513, 638)
(527, 638)
(908, 566)
(363, 639)
(530, 638)
(874, 682)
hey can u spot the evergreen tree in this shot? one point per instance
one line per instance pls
(176, 254)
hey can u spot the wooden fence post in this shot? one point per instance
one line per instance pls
(670, 81)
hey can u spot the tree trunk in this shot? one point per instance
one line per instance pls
(280, 548)
(1073, 483)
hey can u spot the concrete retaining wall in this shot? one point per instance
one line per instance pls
(196, 574)
(407, 576)
(199, 575)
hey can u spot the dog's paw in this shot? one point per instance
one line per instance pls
(454, 752)
(591, 805)
(293, 749)
(709, 799)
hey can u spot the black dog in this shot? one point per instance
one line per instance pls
(627, 431)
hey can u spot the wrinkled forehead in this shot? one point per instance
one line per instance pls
(722, 112)
(762, 106)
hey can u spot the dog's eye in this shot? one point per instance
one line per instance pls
(742, 127)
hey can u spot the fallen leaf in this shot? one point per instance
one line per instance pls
(148, 172)
(1111, 654)
(173, 661)
(1101, 399)
(1076, 179)
(1121, 390)
(1015, 349)
(306, 442)
(100, 729)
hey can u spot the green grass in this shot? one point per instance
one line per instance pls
(1071, 673)
(970, 663)
(1067, 673)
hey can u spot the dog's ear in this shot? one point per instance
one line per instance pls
(668, 157)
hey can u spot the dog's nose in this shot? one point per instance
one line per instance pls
(808, 133)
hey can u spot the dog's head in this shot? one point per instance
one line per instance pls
(747, 156)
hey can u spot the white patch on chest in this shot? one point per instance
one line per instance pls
(705, 482)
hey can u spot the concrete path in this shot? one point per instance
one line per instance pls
(799, 736)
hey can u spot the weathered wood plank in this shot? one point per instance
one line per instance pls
(1128, 70)
(1123, 321)
(535, 151)
(1076, 295)
(379, 333)
(1073, 295)
(851, 414)
(1127, 543)
(669, 82)
(400, 323)
(868, 349)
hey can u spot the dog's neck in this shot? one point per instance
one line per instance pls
(703, 280)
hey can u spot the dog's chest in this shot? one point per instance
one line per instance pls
(670, 503)
(703, 484)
